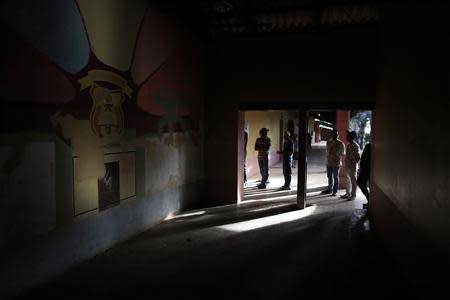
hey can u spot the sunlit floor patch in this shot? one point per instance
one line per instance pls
(189, 214)
(269, 221)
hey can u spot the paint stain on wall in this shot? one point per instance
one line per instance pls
(85, 144)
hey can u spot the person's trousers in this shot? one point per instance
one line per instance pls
(362, 181)
(350, 170)
(287, 171)
(333, 179)
(263, 163)
(245, 169)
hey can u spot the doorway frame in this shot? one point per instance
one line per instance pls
(303, 111)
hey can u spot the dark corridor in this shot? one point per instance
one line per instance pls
(265, 250)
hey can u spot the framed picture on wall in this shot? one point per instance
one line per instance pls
(117, 183)
(109, 186)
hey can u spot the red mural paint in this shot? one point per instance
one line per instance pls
(28, 76)
(157, 40)
(174, 86)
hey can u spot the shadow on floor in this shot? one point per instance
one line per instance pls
(256, 251)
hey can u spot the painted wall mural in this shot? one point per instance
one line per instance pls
(111, 76)
(106, 115)
(112, 28)
(28, 75)
(53, 27)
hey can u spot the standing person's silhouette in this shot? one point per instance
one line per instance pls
(288, 150)
(295, 155)
(309, 141)
(335, 151)
(262, 145)
(364, 173)
(245, 155)
(352, 158)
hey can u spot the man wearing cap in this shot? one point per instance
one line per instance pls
(262, 145)
(352, 158)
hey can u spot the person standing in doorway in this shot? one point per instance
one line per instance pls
(309, 140)
(352, 158)
(295, 155)
(245, 155)
(288, 150)
(262, 145)
(364, 173)
(335, 151)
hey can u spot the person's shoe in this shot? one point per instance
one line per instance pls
(261, 186)
(365, 205)
(351, 197)
(285, 187)
(345, 196)
(334, 194)
(325, 192)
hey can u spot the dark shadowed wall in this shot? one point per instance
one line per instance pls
(411, 174)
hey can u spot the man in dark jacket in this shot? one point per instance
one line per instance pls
(262, 145)
(364, 173)
(288, 149)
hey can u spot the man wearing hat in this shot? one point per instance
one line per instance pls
(352, 158)
(262, 145)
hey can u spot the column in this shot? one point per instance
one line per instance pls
(302, 165)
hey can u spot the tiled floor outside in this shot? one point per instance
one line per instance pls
(316, 182)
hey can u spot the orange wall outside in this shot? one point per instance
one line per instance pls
(257, 120)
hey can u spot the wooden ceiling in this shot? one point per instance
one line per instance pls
(224, 18)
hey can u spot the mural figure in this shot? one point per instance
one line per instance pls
(106, 113)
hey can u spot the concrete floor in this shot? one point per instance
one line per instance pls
(259, 249)
(316, 182)
(256, 250)
(316, 172)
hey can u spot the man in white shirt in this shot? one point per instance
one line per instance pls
(352, 158)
